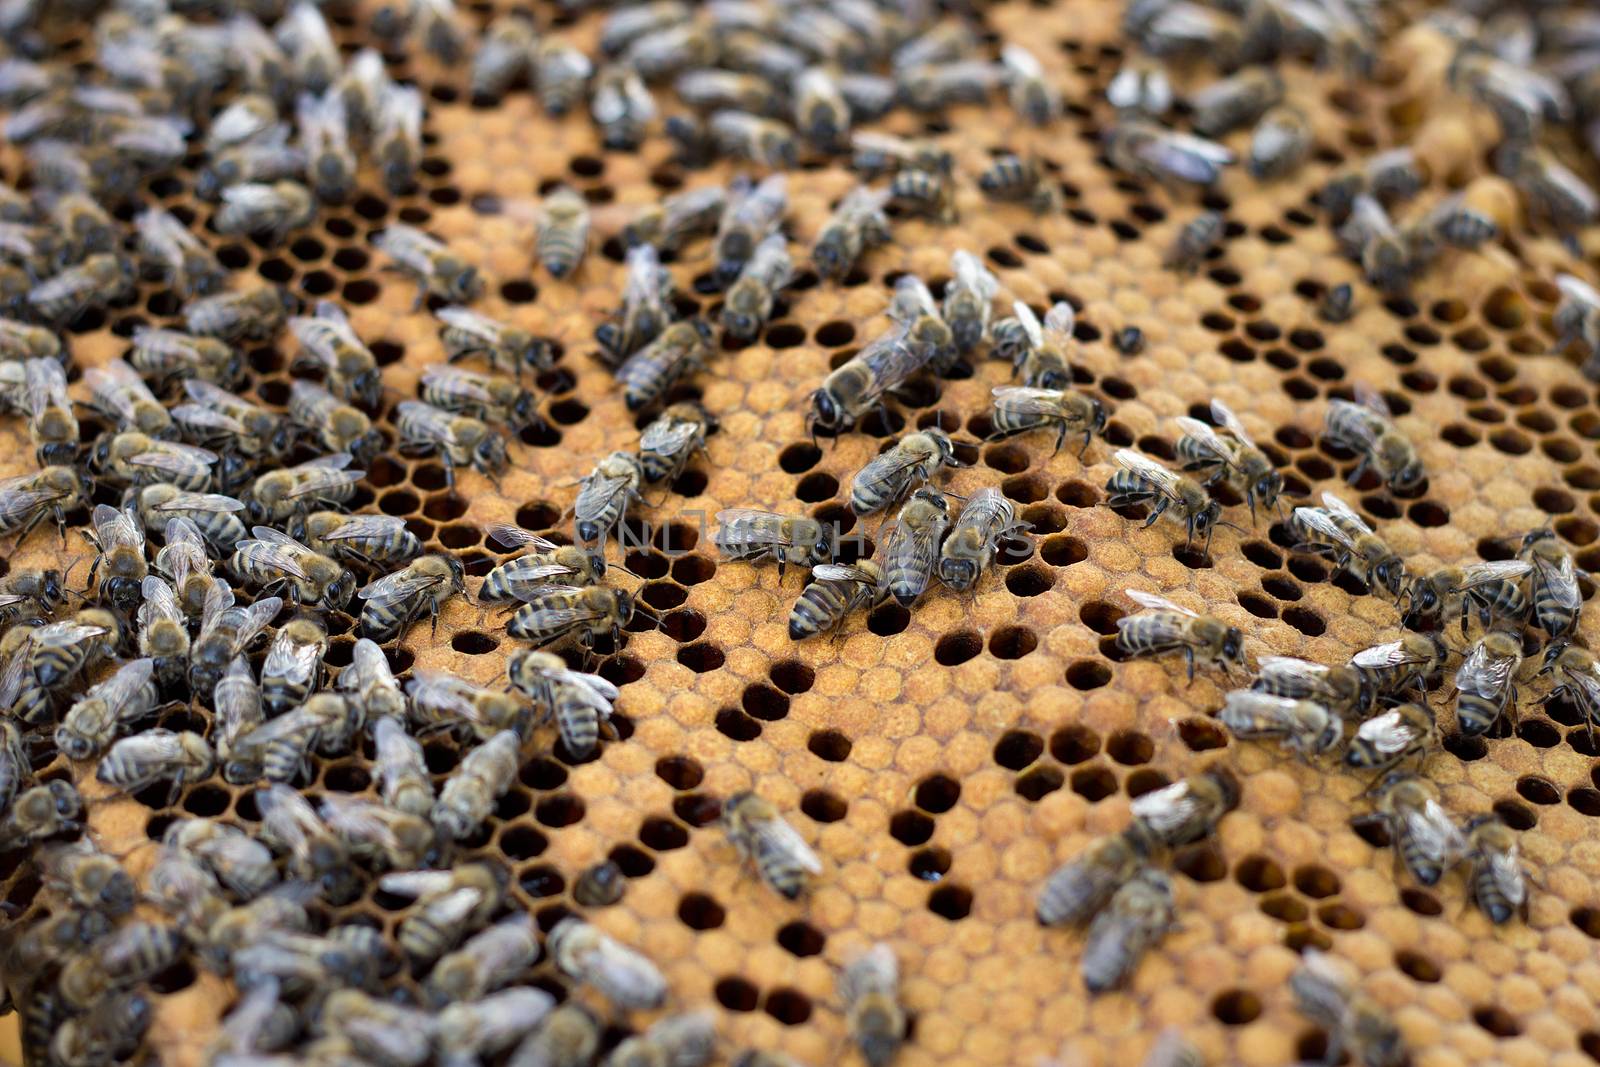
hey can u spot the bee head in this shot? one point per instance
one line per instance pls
(1533, 537)
(824, 411)
(1552, 656)
(490, 454)
(1233, 646)
(1409, 476)
(1098, 416)
(464, 281)
(1390, 574)
(1269, 487)
(458, 572)
(73, 744)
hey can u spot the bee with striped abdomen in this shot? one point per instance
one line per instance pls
(242, 864)
(338, 426)
(1149, 151)
(164, 356)
(328, 341)
(749, 301)
(135, 952)
(1486, 681)
(1134, 920)
(403, 779)
(986, 519)
(273, 559)
(487, 397)
(281, 494)
(94, 718)
(253, 314)
(28, 499)
(856, 225)
(1018, 409)
(915, 459)
(589, 956)
(561, 74)
(177, 256)
(1497, 882)
(1492, 590)
(449, 905)
(672, 439)
(621, 106)
(686, 1040)
(22, 341)
(545, 564)
(590, 613)
(291, 825)
(1345, 690)
(926, 193)
(1234, 458)
(604, 496)
(378, 835)
(857, 386)
(1553, 581)
(42, 812)
(752, 214)
(1395, 666)
(765, 142)
(834, 591)
(1040, 353)
(396, 600)
(1010, 178)
(869, 986)
(268, 211)
(100, 280)
(220, 419)
(1404, 732)
(118, 394)
(468, 796)
(372, 540)
(506, 348)
(1354, 1022)
(563, 231)
(1367, 428)
(1235, 102)
(1335, 529)
(293, 667)
(59, 651)
(1167, 627)
(649, 373)
(226, 632)
(1140, 480)
(646, 307)
(1189, 810)
(134, 459)
(600, 886)
(430, 263)
(1032, 94)
(1195, 240)
(444, 702)
(875, 154)
(52, 427)
(912, 554)
(578, 703)
(180, 758)
(1424, 837)
(458, 440)
(923, 327)
(969, 300)
(1303, 726)
(1078, 889)
(749, 535)
(118, 541)
(505, 54)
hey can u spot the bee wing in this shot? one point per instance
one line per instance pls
(159, 601)
(972, 274)
(119, 690)
(1389, 654)
(1058, 323)
(911, 298)
(173, 458)
(840, 572)
(1370, 399)
(1506, 869)
(1020, 62)
(1289, 666)
(416, 884)
(203, 392)
(205, 418)
(358, 820)
(470, 322)
(667, 438)
(1484, 673)
(208, 502)
(1158, 603)
(1355, 427)
(1337, 506)
(16, 674)
(256, 617)
(1577, 290)
(891, 361)
(1389, 733)
(1022, 400)
(17, 504)
(1193, 158)
(1435, 833)
(360, 527)
(1029, 322)
(434, 422)
(369, 664)
(65, 634)
(516, 537)
(875, 970)
(597, 689)
(1230, 422)
(400, 586)
(1493, 571)
(915, 547)
(1560, 579)
(115, 386)
(322, 479)
(784, 840)
(219, 598)
(291, 659)
(1207, 438)
(1166, 809)
(115, 527)
(568, 614)
(44, 385)
(1145, 467)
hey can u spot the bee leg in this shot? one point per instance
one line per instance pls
(1155, 513)
(1188, 654)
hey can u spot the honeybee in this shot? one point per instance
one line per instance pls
(117, 393)
(94, 718)
(286, 492)
(1018, 409)
(749, 301)
(135, 459)
(1140, 480)
(1497, 883)
(591, 957)
(1492, 589)
(857, 386)
(367, 539)
(1010, 178)
(922, 326)
(449, 904)
(338, 426)
(179, 257)
(1234, 457)
(645, 308)
(834, 591)
(544, 565)
(1354, 1022)
(397, 139)
(1389, 257)
(21, 341)
(1194, 241)
(1141, 89)
(378, 834)
(253, 314)
(755, 138)
(589, 612)
(1395, 666)
(469, 794)
(1485, 681)
(166, 355)
(507, 348)
(925, 193)
(750, 535)
(180, 758)
(270, 211)
(236, 699)
(386, 1031)
(293, 667)
(135, 952)
(273, 558)
(672, 439)
(1347, 690)
(30, 590)
(914, 459)
(1134, 920)
(302, 962)
(1553, 582)
(604, 496)
(649, 373)
(875, 154)
(268, 159)
(913, 550)
(1189, 810)
(667, 224)
(42, 812)
(578, 703)
(561, 75)
(87, 878)
(1454, 222)
(403, 777)
(709, 90)
(325, 139)
(780, 856)
(53, 940)
(444, 702)
(28, 499)
(1386, 177)
(563, 231)
(1425, 839)
(1577, 318)
(968, 300)
(240, 862)
(600, 886)
(1235, 102)
(621, 106)
(290, 824)
(1039, 353)
(939, 85)
(676, 1039)
(396, 600)
(101, 279)
(459, 440)
(753, 214)
(626, 25)
(1579, 674)
(1031, 92)
(489, 959)
(869, 986)
(429, 262)
(1167, 627)
(1304, 726)
(225, 633)
(820, 112)
(1338, 304)
(504, 55)
(216, 417)
(328, 341)
(487, 397)
(118, 541)
(1519, 96)
(1335, 529)
(14, 765)
(60, 650)
(1403, 732)
(1151, 152)
(304, 36)
(857, 224)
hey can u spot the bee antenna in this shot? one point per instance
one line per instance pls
(648, 613)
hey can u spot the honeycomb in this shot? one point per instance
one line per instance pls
(944, 760)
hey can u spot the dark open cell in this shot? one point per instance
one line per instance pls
(953, 902)
(1236, 1007)
(911, 828)
(829, 745)
(680, 772)
(735, 724)
(1039, 783)
(699, 911)
(736, 994)
(1094, 783)
(958, 647)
